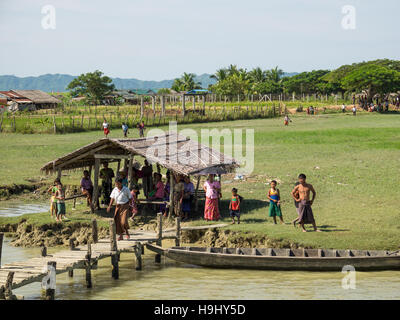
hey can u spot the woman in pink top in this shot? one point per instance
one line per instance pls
(212, 189)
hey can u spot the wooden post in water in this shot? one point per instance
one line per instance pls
(43, 251)
(178, 232)
(95, 234)
(88, 266)
(159, 236)
(6, 291)
(138, 254)
(71, 247)
(1, 245)
(49, 282)
(114, 249)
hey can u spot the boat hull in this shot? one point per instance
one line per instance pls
(259, 262)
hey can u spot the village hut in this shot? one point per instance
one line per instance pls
(40, 99)
(17, 102)
(175, 152)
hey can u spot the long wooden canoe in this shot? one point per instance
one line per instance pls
(282, 259)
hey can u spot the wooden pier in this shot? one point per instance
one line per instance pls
(45, 268)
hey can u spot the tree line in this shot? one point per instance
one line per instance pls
(369, 78)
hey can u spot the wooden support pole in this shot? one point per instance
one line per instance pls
(196, 198)
(138, 254)
(130, 173)
(1, 245)
(141, 107)
(159, 236)
(178, 232)
(95, 232)
(71, 244)
(114, 249)
(59, 173)
(194, 103)
(6, 291)
(49, 282)
(96, 181)
(171, 194)
(118, 166)
(88, 266)
(43, 251)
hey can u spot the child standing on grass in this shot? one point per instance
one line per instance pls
(106, 130)
(60, 198)
(274, 202)
(286, 121)
(53, 203)
(234, 206)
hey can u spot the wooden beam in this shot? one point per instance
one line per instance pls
(112, 156)
(90, 152)
(96, 182)
(183, 105)
(95, 236)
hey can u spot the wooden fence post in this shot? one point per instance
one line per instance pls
(159, 236)
(178, 232)
(43, 251)
(96, 181)
(95, 236)
(114, 249)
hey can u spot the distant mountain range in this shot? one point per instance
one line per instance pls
(59, 82)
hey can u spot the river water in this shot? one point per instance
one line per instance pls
(18, 209)
(171, 280)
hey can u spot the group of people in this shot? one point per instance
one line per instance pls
(302, 201)
(125, 129)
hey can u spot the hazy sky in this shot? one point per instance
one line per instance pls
(161, 39)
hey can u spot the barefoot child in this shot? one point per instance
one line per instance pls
(234, 206)
(60, 198)
(53, 204)
(134, 201)
(286, 120)
(274, 202)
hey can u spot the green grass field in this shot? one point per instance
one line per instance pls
(353, 163)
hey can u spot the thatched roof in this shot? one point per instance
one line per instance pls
(171, 151)
(37, 96)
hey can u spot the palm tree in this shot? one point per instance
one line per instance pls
(189, 83)
(274, 74)
(257, 75)
(220, 75)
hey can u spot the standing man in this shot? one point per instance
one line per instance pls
(301, 194)
(121, 196)
(106, 175)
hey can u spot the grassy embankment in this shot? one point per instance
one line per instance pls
(351, 161)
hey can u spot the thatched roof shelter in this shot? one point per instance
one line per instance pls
(171, 151)
(175, 152)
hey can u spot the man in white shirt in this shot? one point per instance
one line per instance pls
(121, 196)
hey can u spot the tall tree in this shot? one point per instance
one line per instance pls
(186, 82)
(93, 85)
